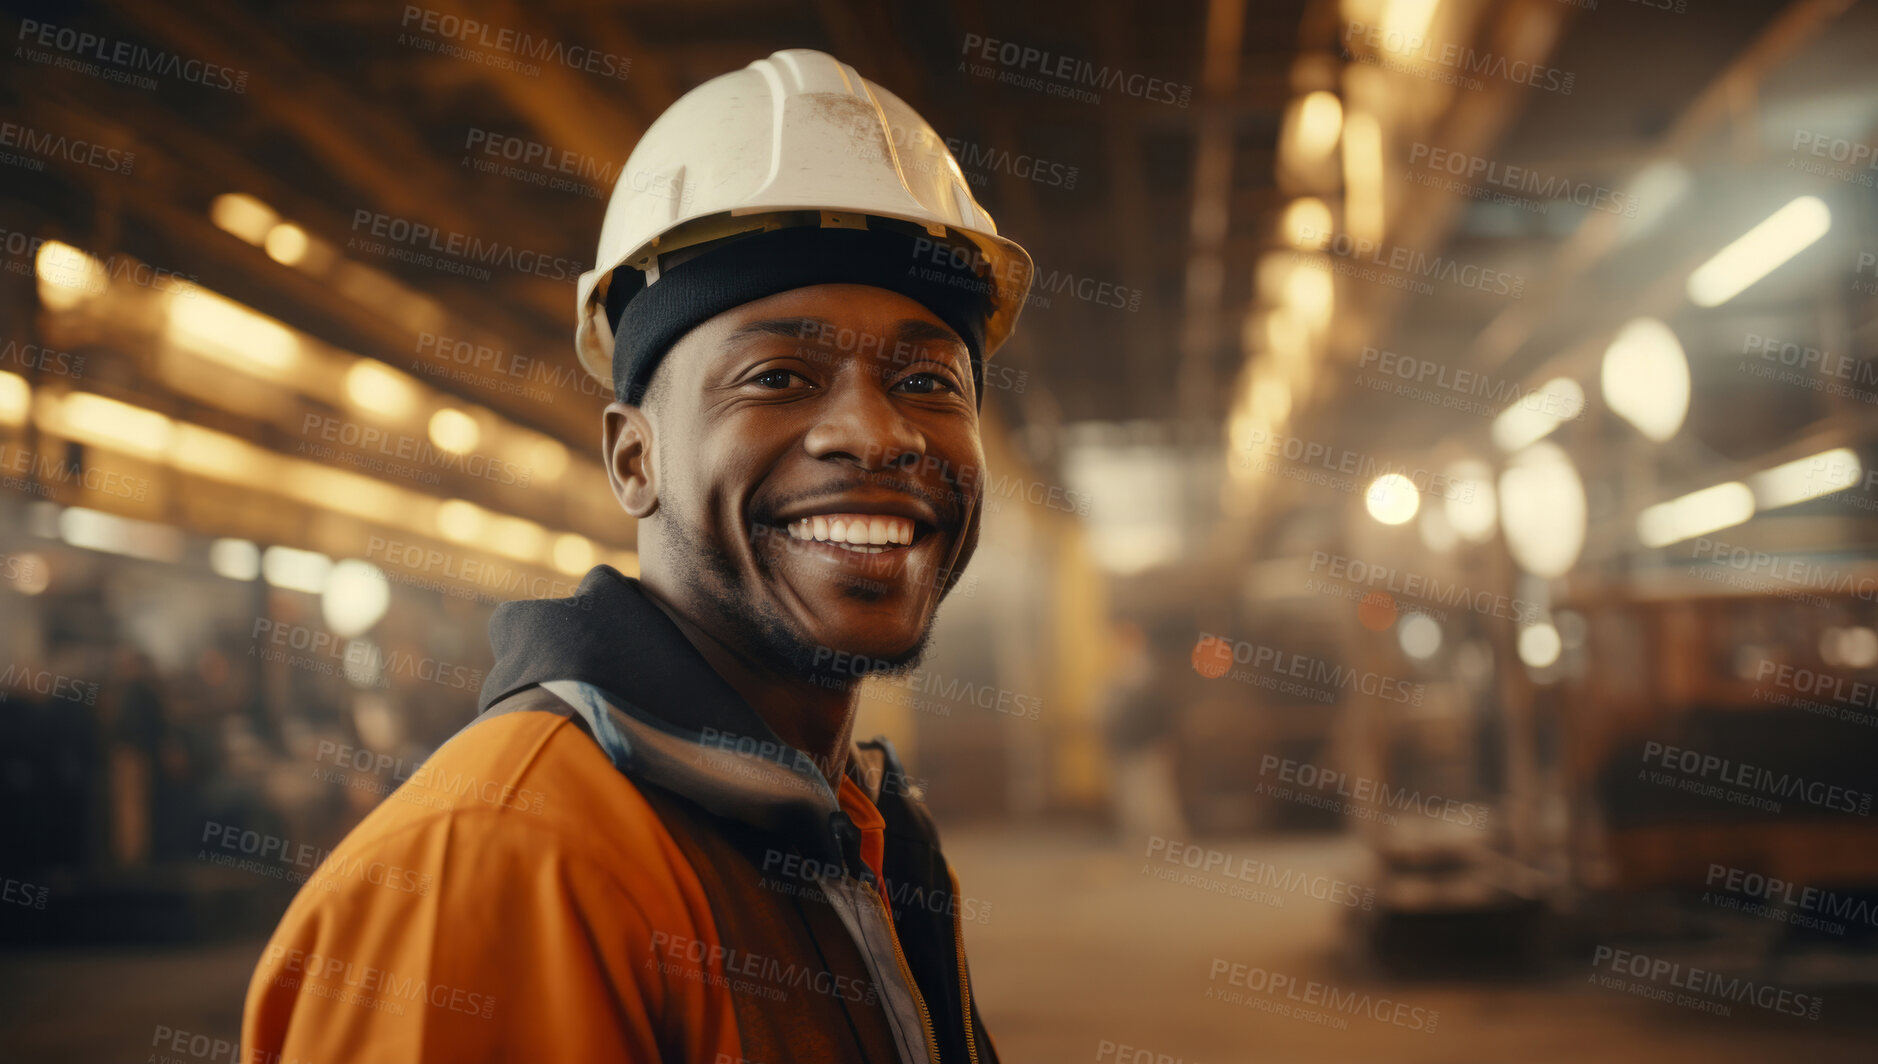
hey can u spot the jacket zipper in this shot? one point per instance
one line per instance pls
(906, 972)
(965, 983)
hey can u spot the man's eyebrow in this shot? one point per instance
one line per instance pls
(801, 328)
(917, 330)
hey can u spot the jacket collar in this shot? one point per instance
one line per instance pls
(609, 634)
(664, 716)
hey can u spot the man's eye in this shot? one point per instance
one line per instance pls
(778, 378)
(927, 384)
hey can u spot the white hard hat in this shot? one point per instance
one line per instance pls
(797, 139)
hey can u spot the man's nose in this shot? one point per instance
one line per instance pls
(860, 422)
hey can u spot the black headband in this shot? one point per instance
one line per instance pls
(648, 319)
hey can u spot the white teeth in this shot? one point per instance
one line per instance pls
(867, 533)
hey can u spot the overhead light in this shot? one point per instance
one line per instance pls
(459, 521)
(1534, 415)
(1320, 122)
(1311, 295)
(1392, 499)
(16, 398)
(1645, 378)
(1854, 648)
(1759, 251)
(1270, 400)
(243, 215)
(516, 537)
(233, 334)
(1542, 510)
(295, 569)
(1468, 502)
(454, 431)
(1306, 224)
(372, 385)
(1420, 636)
(356, 597)
(235, 559)
(96, 419)
(67, 276)
(573, 554)
(1695, 514)
(1806, 478)
(1539, 645)
(96, 530)
(1408, 19)
(1363, 177)
(287, 244)
(546, 459)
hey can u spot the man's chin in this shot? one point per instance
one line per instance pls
(837, 660)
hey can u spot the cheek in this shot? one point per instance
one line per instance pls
(737, 467)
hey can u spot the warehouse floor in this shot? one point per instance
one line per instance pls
(1083, 954)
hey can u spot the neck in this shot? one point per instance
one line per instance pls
(816, 718)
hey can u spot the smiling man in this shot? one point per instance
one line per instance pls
(659, 842)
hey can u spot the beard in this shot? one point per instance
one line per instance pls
(758, 627)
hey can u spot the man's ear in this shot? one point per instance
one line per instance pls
(627, 446)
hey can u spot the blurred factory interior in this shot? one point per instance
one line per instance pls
(1439, 466)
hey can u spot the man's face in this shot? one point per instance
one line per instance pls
(818, 470)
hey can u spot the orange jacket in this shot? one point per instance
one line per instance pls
(578, 876)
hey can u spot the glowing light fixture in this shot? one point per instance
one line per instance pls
(454, 431)
(1420, 636)
(1363, 177)
(1392, 499)
(228, 332)
(356, 597)
(1695, 514)
(1539, 645)
(1760, 251)
(295, 569)
(287, 244)
(573, 554)
(460, 521)
(96, 530)
(1306, 223)
(1542, 510)
(374, 386)
(96, 419)
(16, 398)
(68, 276)
(243, 215)
(1645, 378)
(235, 559)
(1806, 478)
(1320, 122)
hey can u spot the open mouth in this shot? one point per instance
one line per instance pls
(856, 532)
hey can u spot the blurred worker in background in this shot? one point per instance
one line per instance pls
(659, 842)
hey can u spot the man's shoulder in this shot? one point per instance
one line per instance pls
(504, 801)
